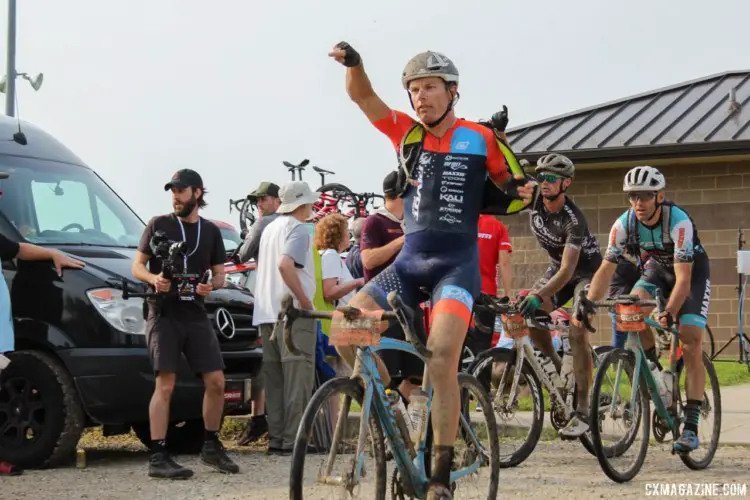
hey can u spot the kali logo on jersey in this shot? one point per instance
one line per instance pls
(452, 198)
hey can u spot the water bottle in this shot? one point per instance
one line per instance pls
(566, 371)
(660, 386)
(668, 382)
(399, 407)
(549, 368)
(402, 418)
(417, 415)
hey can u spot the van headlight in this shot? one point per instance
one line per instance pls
(124, 315)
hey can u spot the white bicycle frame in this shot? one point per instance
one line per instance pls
(525, 352)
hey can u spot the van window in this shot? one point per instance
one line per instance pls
(58, 203)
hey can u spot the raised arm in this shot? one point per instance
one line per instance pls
(358, 85)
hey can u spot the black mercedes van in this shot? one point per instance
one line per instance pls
(81, 359)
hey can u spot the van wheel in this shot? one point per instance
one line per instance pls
(41, 418)
(183, 438)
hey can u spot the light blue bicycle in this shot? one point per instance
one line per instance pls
(339, 433)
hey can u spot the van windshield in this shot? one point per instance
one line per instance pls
(62, 204)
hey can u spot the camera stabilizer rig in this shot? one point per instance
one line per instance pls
(169, 253)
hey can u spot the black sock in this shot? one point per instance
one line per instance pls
(441, 470)
(651, 356)
(211, 436)
(158, 445)
(692, 414)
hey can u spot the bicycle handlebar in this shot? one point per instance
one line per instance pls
(400, 312)
(626, 299)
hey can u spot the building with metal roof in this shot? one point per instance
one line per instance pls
(708, 116)
(697, 133)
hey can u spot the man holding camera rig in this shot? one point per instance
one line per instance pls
(179, 249)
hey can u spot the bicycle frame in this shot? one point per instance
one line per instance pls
(633, 344)
(413, 472)
(525, 352)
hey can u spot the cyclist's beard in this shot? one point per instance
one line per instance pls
(553, 197)
(187, 207)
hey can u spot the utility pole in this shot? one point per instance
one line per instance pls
(10, 71)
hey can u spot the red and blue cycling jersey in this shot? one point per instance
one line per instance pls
(450, 174)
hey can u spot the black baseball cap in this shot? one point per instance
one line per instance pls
(185, 178)
(390, 184)
(265, 189)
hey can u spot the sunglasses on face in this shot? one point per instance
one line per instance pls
(642, 196)
(551, 178)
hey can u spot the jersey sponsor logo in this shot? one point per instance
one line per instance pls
(457, 293)
(451, 198)
(485, 236)
(450, 219)
(461, 145)
(454, 158)
(706, 299)
(456, 165)
(680, 237)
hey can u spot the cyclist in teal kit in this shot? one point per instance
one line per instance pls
(678, 265)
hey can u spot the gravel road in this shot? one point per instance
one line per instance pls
(555, 470)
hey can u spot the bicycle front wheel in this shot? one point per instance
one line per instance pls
(710, 416)
(476, 440)
(329, 430)
(613, 393)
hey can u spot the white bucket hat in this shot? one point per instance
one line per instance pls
(295, 194)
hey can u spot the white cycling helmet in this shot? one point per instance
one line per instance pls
(643, 178)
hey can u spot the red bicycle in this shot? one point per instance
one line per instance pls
(334, 198)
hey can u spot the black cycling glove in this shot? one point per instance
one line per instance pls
(498, 121)
(351, 56)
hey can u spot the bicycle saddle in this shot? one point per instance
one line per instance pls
(291, 166)
(322, 171)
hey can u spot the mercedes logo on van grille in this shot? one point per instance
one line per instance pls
(224, 322)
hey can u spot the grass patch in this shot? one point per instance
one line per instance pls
(731, 373)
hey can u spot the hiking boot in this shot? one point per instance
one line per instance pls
(161, 466)
(213, 455)
(7, 469)
(576, 426)
(687, 442)
(256, 428)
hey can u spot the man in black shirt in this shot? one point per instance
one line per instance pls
(561, 230)
(10, 250)
(177, 322)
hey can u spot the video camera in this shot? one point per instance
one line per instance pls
(169, 252)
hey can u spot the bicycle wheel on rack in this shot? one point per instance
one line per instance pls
(333, 196)
(519, 423)
(710, 416)
(327, 420)
(612, 451)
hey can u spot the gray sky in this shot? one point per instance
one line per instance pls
(141, 88)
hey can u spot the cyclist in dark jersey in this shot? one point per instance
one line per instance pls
(442, 203)
(562, 231)
(678, 265)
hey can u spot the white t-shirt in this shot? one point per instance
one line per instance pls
(332, 266)
(284, 236)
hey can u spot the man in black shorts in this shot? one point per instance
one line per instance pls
(562, 231)
(177, 322)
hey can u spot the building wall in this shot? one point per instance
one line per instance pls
(717, 197)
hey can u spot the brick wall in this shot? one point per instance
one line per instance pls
(717, 197)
